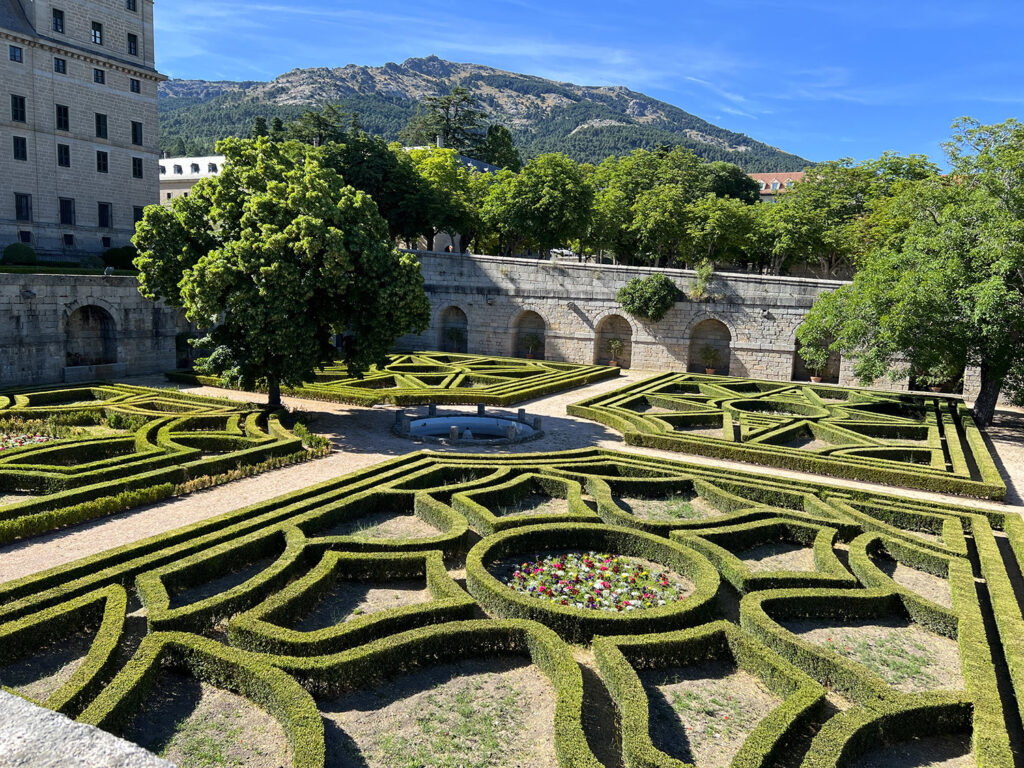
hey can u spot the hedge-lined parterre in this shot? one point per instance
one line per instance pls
(909, 440)
(248, 602)
(442, 378)
(104, 448)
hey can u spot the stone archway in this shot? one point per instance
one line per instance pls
(529, 327)
(90, 337)
(453, 330)
(710, 334)
(829, 375)
(613, 327)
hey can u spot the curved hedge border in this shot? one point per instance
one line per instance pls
(434, 377)
(477, 505)
(579, 625)
(292, 534)
(619, 657)
(868, 432)
(389, 657)
(262, 628)
(178, 440)
(222, 666)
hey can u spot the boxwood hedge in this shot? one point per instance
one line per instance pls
(221, 599)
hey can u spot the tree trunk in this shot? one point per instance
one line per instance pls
(273, 393)
(988, 396)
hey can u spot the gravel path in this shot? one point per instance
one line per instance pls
(362, 437)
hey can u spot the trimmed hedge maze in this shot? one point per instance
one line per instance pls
(823, 626)
(442, 378)
(914, 441)
(73, 454)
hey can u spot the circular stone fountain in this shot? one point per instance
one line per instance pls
(457, 428)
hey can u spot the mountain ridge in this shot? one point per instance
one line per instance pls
(586, 122)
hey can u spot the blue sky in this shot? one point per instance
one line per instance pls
(821, 78)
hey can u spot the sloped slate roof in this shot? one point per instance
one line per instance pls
(12, 17)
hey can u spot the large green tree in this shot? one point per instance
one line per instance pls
(498, 148)
(455, 118)
(450, 204)
(943, 280)
(273, 258)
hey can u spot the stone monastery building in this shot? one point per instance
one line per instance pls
(78, 123)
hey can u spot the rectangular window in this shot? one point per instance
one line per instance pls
(18, 112)
(67, 211)
(20, 148)
(137, 167)
(136, 133)
(58, 21)
(102, 162)
(105, 241)
(101, 126)
(131, 5)
(64, 155)
(22, 207)
(25, 236)
(63, 118)
(137, 214)
(97, 33)
(106, 215)
(60, 66)
(135, 85)
(17, 54)
(99, 76)
(69, 241)
(133, 45)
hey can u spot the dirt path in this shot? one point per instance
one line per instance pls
(362, 437)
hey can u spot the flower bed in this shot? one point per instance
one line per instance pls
(8, 441)
(599, 582)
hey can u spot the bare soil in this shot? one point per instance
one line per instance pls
(40, 675)
(778, 556)
(681, 507)
(927, 585)
(350, 600)
(14, 498)
(471, 714)
(534, 504)
(951, 751)
(905, 655)
(702, 431)
(385, 525)
(807, 443)
(703, 714)
(195, 725)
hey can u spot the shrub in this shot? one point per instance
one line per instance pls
(18, 254)
(120, 258)
(648, 297)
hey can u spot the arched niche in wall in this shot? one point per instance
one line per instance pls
(453, 330)
(90, 337)
(608, 328)
(710, 341)
(528, 331)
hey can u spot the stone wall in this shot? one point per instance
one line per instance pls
(758, 315)
(38, 327)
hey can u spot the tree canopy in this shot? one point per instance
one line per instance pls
(273, 258)
(942, 281)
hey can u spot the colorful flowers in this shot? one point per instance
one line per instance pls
(597, 582)
(19, 441)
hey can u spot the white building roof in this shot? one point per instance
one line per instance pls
(190, 168)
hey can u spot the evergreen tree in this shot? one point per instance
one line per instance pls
(259, 127)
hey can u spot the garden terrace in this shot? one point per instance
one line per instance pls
(309, 617)
(73, 454)
(915, 441)
(444, 379)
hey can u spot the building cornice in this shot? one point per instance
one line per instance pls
(84, 54)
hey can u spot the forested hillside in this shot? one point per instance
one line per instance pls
(587, 123)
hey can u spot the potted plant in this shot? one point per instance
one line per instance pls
(615, 349)
(710, 357)
(456, 336)
(532, 342)
(816, 375)
(937, 375)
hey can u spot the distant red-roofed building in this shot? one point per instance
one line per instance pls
(772, 184)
